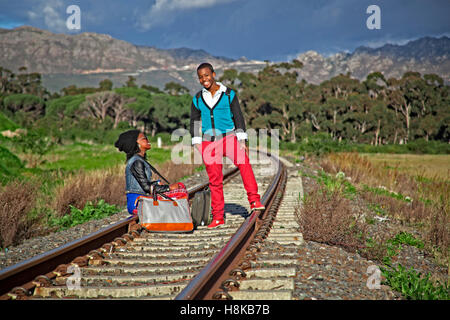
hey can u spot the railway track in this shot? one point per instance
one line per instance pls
(236, 261)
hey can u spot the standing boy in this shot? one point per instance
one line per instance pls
(222, 134)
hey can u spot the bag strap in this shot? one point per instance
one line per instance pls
(227, 92)
(159, 174)
(166, 196)
(156, 193)
(197, 95)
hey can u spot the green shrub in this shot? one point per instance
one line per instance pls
(419, 146)
(6, 123)
(410, 283)
(165, 139)
(10, 165)
(90, 212)
(385, 192)
(413, 285)
(34, 142)
(322, 143)
(337, 183)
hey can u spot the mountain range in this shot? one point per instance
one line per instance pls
(87, 58)
(424, 55)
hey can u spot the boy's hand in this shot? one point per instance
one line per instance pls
(243, 145)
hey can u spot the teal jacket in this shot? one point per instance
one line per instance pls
(225, 116)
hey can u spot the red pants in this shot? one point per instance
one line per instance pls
(212, 154)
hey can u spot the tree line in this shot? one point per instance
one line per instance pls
(102, 108)
(376, 110)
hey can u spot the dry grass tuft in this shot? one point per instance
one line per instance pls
(430, 204)
(361, 170)
(329, 217)
(438, 233)
(90, 186)
(16, 201)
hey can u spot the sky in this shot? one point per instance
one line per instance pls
(275, 30)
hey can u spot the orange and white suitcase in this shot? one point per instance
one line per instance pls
(163, 215)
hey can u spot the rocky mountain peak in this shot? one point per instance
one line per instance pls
(424, 55)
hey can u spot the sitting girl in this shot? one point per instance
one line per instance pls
(138, 172)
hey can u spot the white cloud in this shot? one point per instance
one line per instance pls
(387, 39)
(163, 5)
(164, 12)
(53, 13)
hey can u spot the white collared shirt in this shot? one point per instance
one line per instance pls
(211, 101)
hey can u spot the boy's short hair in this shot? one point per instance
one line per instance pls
(205, 65)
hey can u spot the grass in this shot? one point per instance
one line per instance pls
(429, 166)
(328, 216)
(10, 165)
(6, 123)
(421, 203)
(398, 187)
(380, 176)
(16, 202)
(70, 184)
(411, 284)
(92, 156)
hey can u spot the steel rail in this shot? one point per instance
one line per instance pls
(209, 280)
(27, 270)
(23, 275)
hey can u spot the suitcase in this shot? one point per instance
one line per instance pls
(169, 213)
(201, 208)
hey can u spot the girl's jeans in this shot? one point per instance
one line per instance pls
(131, 199)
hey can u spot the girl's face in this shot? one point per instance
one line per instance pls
(143, 143)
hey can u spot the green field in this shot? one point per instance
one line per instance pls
(432, 166)
(92, 156)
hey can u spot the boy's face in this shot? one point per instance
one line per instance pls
(206, 78)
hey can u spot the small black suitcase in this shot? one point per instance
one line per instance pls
(201, 208)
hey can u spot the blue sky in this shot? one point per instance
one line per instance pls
(258, 29)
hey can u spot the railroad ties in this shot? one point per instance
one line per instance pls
(155, 265)
(160, 266)
(274, 268)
